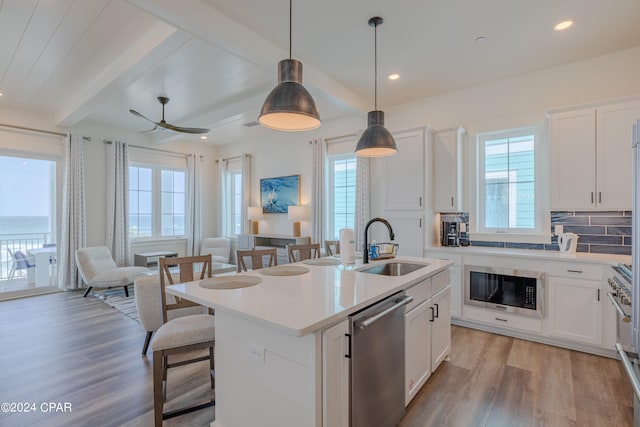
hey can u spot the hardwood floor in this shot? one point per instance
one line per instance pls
(64, 348)
(492, 380)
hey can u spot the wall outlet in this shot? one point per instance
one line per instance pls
(559, 229)
(256, 352)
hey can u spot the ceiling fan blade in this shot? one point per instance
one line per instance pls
(135, 113)
(183, 129)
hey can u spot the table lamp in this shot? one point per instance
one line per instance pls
(297, 214)
(254, 213)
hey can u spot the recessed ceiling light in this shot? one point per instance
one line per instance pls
(203, 137)
(563, 25)
(394, 76)
(1, 93)
(480, 39)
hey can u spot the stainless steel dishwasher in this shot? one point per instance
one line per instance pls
(377, 363)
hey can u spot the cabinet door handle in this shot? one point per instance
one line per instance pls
(574, 271)
(598, 294)
(599, 196)
(452, 201)
(432, 315)
(348, 356)
(592, 197)
(502, 320)
(420, 222)
(420, 201)
(437, 310)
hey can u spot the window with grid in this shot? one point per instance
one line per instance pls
(507, 181)
(157, 201)
(342, 197)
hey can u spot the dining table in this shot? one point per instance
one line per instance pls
(45, 261)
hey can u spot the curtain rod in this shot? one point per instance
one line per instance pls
(336, 138)
(4, 125)
(142, 147)
(232, 158)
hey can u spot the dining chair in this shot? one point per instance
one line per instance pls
(332, 247)
(20, 262)
(180, 335)
(256, 256)
(302, 252)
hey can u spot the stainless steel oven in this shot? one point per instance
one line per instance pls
(506, 290)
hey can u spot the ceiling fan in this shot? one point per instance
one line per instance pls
(162, 124)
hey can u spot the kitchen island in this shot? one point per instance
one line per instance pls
(271, 361)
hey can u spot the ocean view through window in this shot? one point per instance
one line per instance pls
(27, 208)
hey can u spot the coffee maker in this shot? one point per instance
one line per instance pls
(450, 233)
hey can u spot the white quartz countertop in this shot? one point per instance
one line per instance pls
(606, 259)
(306, 303)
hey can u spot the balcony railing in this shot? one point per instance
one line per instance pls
(18, 242)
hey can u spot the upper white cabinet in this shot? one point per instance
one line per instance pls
(404, 173)
(447, 170)
(591, 157)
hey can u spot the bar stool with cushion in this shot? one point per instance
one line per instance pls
(180, 335)
(99, 270)
(302, 252)
(149, 305)
(332, 247)
(256, 258)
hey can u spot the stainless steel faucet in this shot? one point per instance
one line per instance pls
(365, 251)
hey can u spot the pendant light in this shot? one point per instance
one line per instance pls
(376, 140)
(289, 106)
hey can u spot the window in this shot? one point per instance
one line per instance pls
(508, 192)
(342, 197)
(157, 201)
(232, 205)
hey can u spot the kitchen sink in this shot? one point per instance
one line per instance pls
(394, 268)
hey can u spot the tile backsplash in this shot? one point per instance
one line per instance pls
(605, 232)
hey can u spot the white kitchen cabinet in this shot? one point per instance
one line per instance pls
(575, 309)
(404, 173)
(408, 230)
(591, 157)
(440, 327)
(456, 278)
(417, 349)
(335, 376)
(447, 170)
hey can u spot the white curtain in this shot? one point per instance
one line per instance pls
(246, 191)
(362, 199)
(193, 223)
(318, 198)
(73, 224)
(117, 237)
(224, 197)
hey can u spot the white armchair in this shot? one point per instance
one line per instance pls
(218, 247)
(99, 270)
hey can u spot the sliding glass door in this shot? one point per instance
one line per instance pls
(27, 223)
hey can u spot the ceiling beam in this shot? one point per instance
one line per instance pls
(145, 53)
(203, 21)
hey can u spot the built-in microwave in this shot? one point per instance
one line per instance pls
(506, 290)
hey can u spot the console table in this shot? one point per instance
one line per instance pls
(150, 259)
(266, 241)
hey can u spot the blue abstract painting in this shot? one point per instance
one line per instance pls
(277, 194)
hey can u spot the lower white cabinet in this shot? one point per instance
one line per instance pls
(441, 327)
(417, 330)
(335, 376)
(456, 291)
(575, 309)
(427, 339)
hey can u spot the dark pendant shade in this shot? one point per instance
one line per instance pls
(376, 140)
(289, 106)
